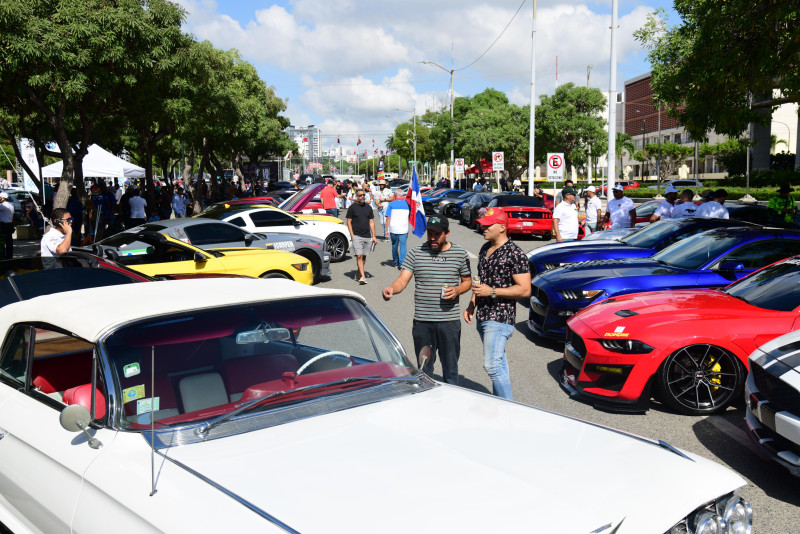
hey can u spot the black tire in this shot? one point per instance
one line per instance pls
(276, 274)
(316, 264)
(451, 211)
(547, 237)
(701, 379)
(337, 247)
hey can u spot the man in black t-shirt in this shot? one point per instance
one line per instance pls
(361, 224)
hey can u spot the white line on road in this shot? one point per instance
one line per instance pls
(471, 255)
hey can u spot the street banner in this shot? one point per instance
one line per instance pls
(416, 217)
(381, 164)
(29, 156)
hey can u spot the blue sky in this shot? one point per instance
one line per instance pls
(346, 66)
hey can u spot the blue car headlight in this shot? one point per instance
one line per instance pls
(580, 295)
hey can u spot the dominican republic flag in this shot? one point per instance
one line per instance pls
(416, 214)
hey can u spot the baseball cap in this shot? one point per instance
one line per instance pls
(671, 189)
(4, 196)
(618, 187)
(492, 216)
(708, 193)
(438, 224)
(568, 190)
(591, 189)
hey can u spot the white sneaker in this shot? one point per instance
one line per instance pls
(362, 281)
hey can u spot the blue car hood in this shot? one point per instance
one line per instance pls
(578, 275)
(601, 251)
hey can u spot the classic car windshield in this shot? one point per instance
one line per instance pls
(694, 252)
(774, 288)
(201, 365)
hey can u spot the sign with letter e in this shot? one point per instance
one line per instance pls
(460, 165)
(555, 166)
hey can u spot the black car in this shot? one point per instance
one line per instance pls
(432, 204)
(469, 211)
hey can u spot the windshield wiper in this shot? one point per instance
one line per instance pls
(203, 429)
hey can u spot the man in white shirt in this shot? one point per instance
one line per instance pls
(714, 209)
(58, 239)
(620, 211)
(666, 209)
(565, 217)
(685, 206)
(7, 224)
(517, 185)
(593, 210)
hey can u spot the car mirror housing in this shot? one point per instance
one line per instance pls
(75, 418)
(199, 257)
(731, 266)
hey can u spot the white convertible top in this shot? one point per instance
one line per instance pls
(89, 312)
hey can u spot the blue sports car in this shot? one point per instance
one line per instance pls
(713, 258)
(430, 203)
(641, 244)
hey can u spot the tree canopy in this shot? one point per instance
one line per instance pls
(705, 69)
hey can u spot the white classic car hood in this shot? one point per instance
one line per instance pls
(452, 460)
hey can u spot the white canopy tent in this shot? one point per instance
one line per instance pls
(99, 163)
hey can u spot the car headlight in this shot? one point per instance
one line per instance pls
(580, 295)
(300, 266)
(730, 514)
(626, 346)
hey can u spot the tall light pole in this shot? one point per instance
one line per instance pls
(452, 153)
(532, 136)
(641, 163)
(612, 99)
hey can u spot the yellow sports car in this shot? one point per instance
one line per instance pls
(155, 254)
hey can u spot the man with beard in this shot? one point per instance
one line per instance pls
(441, 273)
(361, 224)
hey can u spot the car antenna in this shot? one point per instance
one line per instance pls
(152, 420)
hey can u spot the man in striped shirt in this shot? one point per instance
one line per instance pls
(441, 273)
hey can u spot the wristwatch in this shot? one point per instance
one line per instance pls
(494, 293)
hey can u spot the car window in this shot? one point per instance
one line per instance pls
(493, 203)
(238, 221)
(696, 251)
(268, 218)
(646, 209)
(209, 234)
(14, 357)
(774, 288)
(761, 253)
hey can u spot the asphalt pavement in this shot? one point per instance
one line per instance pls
(534, 366)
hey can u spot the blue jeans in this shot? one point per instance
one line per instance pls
(443, 337)
(333, 212)
(398, 249)
(494, 336)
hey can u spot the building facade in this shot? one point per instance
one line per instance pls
(308, 139)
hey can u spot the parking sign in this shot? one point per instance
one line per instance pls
(497, 161)
(555, 166)
(460, 165)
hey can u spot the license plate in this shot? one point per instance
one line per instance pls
(527, 223)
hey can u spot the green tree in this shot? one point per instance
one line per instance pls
(731, 154)
(69, 61)
(624, 144)
(570, 121)
(672, 156)
(705, 68)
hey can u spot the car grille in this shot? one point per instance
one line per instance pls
(529, 214)
(781, 395)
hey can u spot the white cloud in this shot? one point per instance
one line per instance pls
(358, 60)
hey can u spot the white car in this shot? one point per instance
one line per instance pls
(238, 405)
(269, 219)
(772, 393)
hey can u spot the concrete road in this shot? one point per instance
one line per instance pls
(534, 365)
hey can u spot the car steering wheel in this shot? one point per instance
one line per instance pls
(323, 355)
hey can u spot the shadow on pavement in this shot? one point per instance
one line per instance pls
(464, 383)
(768, 475)
(522, 328)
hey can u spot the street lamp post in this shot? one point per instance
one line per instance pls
(641, 163)
(452, 153)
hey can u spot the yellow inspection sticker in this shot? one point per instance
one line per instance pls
(132, 393)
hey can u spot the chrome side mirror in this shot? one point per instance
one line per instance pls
(75, 418)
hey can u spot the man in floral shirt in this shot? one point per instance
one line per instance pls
(504, 277)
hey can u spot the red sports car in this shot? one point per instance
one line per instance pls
(688, 347)
(629, 184)
(525, 215)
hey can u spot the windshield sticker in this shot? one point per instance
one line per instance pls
(134, 252)
(150, 404)
(132, 369)
(132, 393)
(178, 234)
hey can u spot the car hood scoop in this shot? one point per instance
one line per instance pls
(360, 469)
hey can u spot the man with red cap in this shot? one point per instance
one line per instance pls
(503, 277)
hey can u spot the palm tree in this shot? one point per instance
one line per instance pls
(624, 144)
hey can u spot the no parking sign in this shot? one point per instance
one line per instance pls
(498, 163)
(555, 166)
